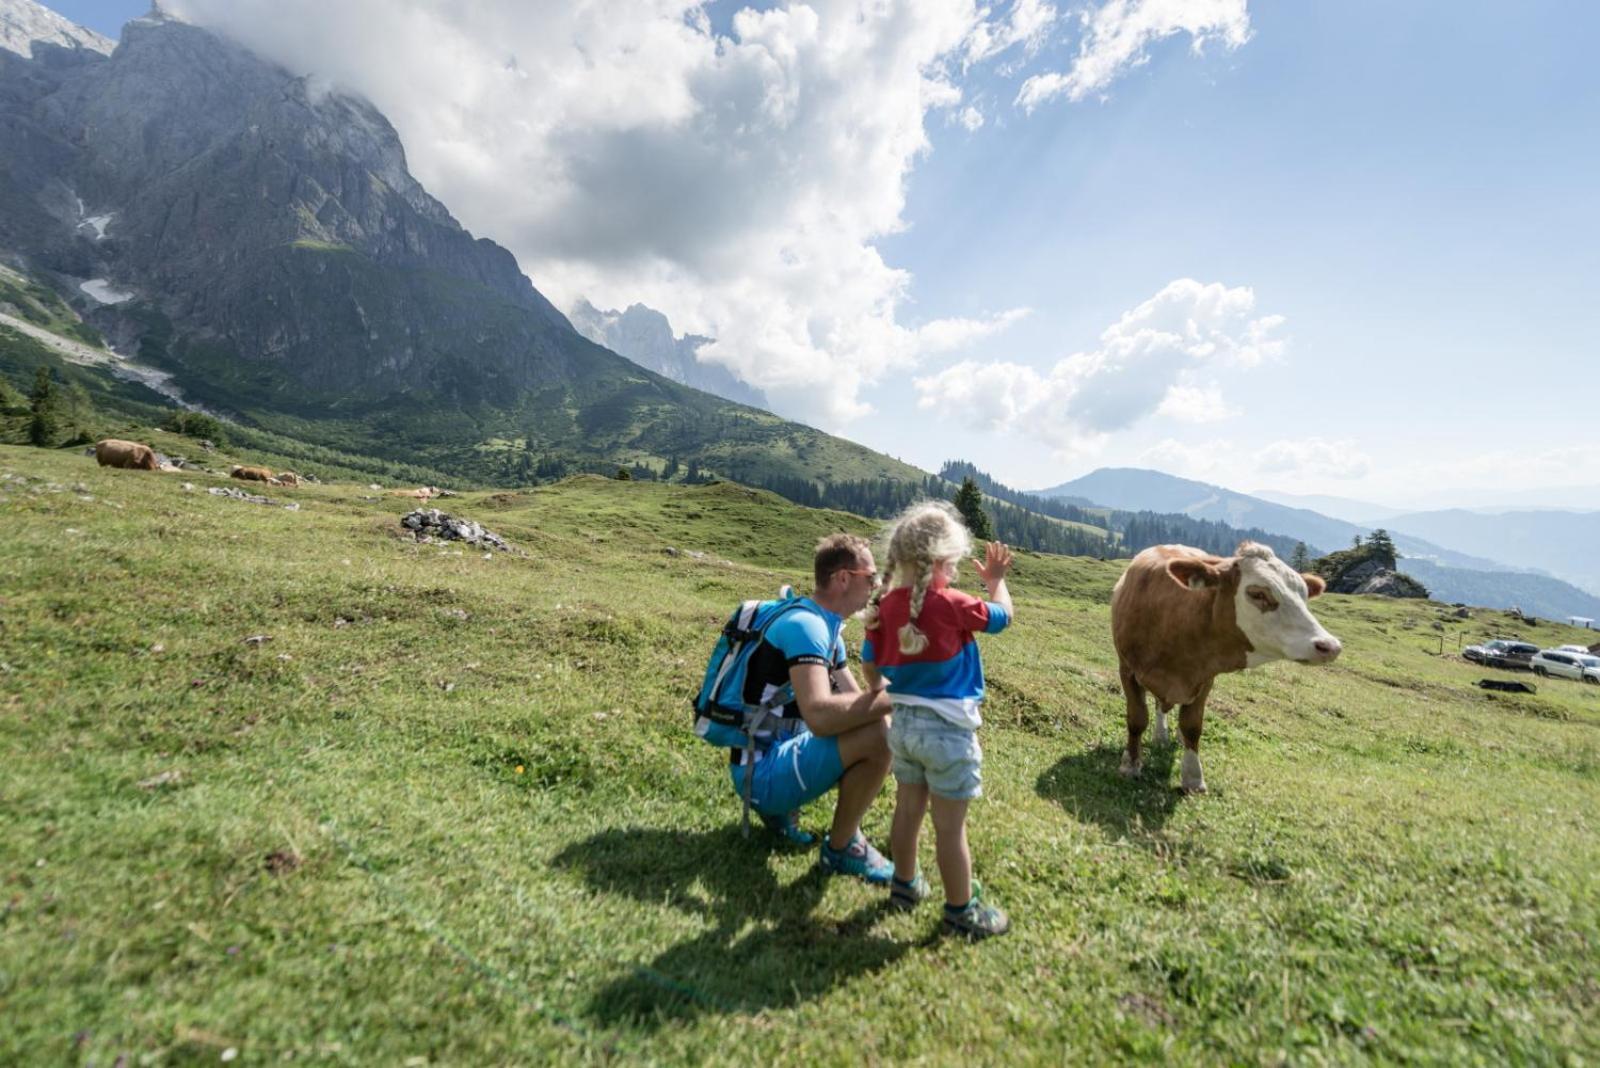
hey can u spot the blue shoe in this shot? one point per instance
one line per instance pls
(787, 827)
(858, 859)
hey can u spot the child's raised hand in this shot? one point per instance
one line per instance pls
(996, 563)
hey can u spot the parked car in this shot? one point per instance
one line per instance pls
(1566, 665)
(1513, 655)
(1479, 654)
(1581, 650)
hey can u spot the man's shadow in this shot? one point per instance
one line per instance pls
(1088, 786)
(765, 950)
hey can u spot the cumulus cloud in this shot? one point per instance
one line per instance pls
(735, 177)
(1118, 35)
(1195, 404)
(1028, 24)
(1143, 366)
(1314, 458)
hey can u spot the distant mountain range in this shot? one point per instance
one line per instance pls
(1520, 544)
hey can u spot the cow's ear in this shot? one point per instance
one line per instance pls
(1194, 574)
(1314, 584)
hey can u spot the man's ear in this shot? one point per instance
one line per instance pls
(1195, 574)
(1315, 585)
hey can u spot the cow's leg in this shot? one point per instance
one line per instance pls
(1161, 736)
(1191, 718)
(1138, 719)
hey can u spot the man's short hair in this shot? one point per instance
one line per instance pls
(837, 552)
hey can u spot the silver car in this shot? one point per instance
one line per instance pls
(1563, 664)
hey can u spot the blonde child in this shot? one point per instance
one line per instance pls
(920, 641)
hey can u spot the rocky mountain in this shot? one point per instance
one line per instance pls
(22, 22)
(645, 336)
(261, 239)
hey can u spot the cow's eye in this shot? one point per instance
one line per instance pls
(1261, 598)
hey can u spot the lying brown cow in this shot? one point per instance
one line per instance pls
(113, 452)
(250, 474)
(288, 478)
(1180, 617)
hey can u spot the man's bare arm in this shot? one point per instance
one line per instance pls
(828, 713)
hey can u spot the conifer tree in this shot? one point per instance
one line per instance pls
(44, 425)
(969, 502)
(1382, 547)
(1301, 559)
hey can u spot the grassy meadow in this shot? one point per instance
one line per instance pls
(446, 809)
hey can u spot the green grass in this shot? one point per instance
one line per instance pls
(1392, 865)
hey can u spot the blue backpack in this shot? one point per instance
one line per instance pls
(721, 716)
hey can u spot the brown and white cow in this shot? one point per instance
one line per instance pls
(1180, 617)
(113, 452)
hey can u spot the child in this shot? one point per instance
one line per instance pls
(919, 639)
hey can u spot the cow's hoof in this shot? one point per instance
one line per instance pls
(1130, 768)
(1193, 779)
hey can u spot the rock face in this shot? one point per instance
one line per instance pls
(24, 22)
(645, 336)
(277, 222)
(1372, 577)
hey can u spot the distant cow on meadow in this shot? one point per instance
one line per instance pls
(1180, 617)
(288, 478)
(250, 474)
(113, 452)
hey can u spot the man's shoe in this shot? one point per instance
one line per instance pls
(907, 896)
(858, 859)
(976, 920)
(787, 827)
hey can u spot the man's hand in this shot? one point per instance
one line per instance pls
(828, 713)
(995, 565)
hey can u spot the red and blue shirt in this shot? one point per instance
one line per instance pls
(947, 676)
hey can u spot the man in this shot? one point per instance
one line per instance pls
(830, 733)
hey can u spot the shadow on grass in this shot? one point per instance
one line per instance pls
(766, 949)
(1088, 786)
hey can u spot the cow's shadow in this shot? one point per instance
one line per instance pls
(765, 948)
(1088, 786)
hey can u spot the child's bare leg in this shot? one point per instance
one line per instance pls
(910, 805)
(950, 843)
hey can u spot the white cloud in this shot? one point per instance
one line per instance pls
(970, 118)
(1118, 36)
(1203, 461)
(1195, 404)
(1316, 458)
(1141, 368)
(625, 151)
(1029, 25)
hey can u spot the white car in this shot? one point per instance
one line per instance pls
(1566, 665)
(1581, 650)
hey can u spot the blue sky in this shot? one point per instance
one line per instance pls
(1411, 187)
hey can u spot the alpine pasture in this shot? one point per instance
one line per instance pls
(445, 808)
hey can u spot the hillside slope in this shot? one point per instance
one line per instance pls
(289, 783)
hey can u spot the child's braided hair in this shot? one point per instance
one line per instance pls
(915, 542)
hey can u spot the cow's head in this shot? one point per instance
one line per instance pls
(1269, 603)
